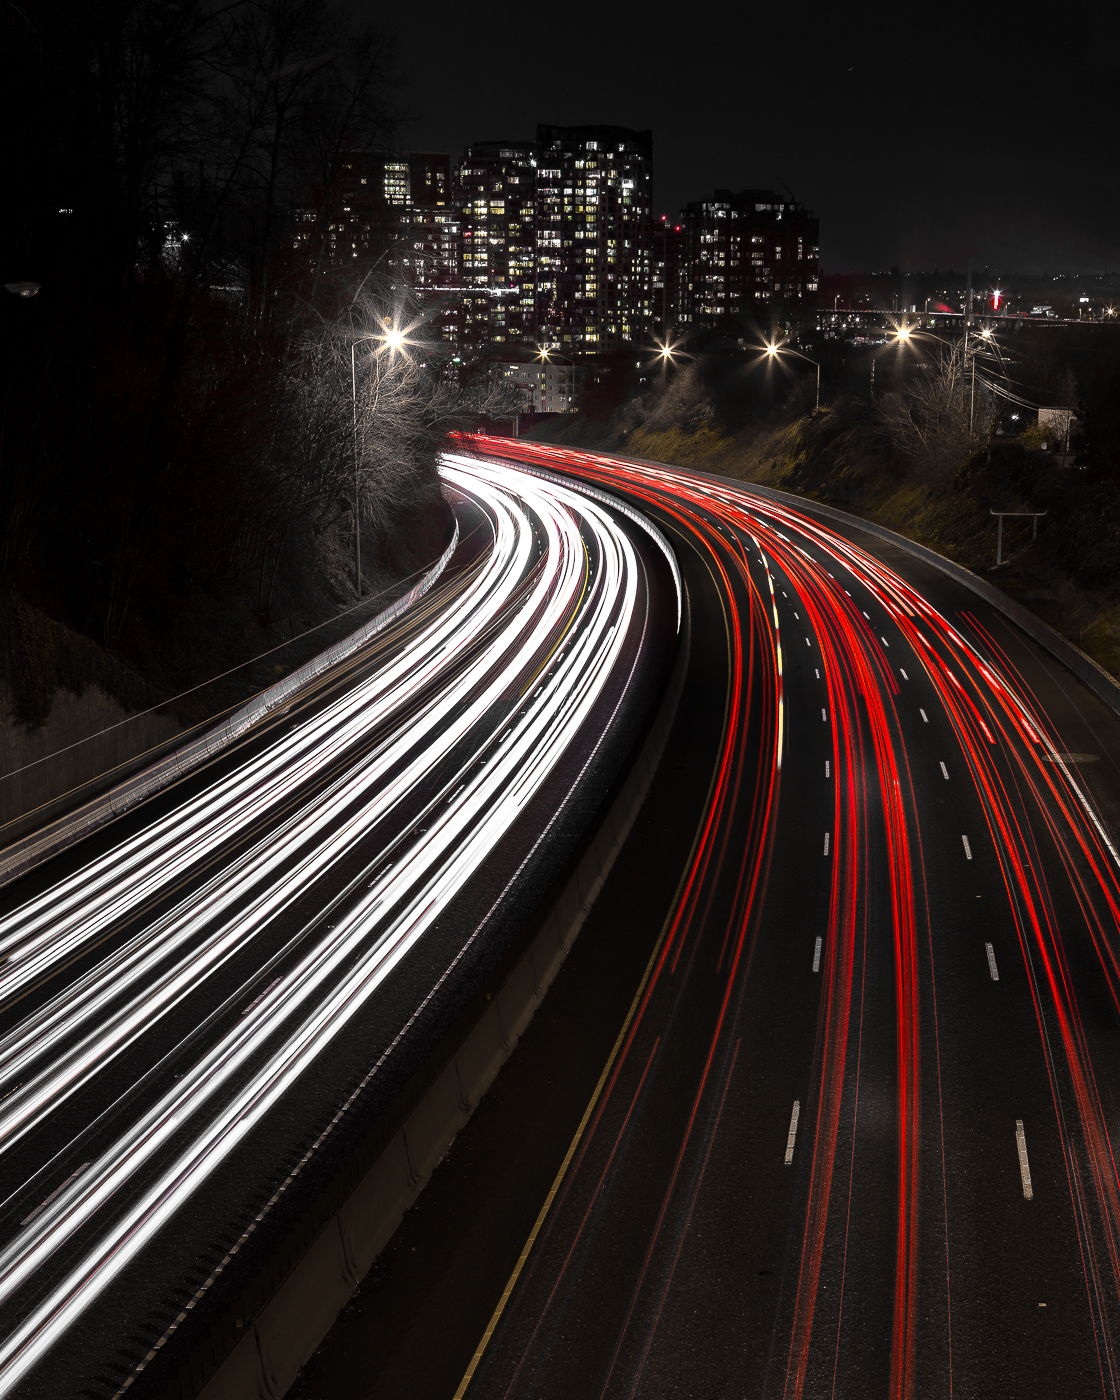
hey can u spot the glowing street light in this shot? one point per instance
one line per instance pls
(392, 339)
(773, 351)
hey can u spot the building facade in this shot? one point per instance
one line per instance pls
(543, 385)
(594, 225)
(551, 244)
(495, 193)
(745, 254)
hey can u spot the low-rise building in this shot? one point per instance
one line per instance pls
(544, 386)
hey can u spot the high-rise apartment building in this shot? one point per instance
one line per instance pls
(365, 210)
(555, 239)
(744, 254)
(666, 268)
(429, 258)
(594, 214)
(495, 193)
(429, 179)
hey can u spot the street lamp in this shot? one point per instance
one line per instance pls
(774, 350)
(392, 339)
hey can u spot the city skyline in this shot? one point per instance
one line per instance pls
(915, 146)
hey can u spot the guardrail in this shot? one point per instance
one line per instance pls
(1083, 667)
(262, 1352)
(29, 851)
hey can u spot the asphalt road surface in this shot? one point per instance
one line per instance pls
(199, 1004)
(823, 1102)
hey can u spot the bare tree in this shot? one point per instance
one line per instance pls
(938, 417)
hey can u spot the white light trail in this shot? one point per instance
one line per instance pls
(454, 693)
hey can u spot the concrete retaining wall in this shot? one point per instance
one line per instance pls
(29, 851)
(85, 739)
(288, 1328)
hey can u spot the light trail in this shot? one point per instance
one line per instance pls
(388, 800)
(1046, 840)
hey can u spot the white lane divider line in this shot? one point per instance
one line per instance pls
(905, 677)
(818, 673)
(992, 962)
(794, 1116)
(824, 716)
(945, 772)
(75, 1174)
(828, 767)
(798, 616)
(1020, 1143)
(808, 643)
(826, 836)
(967, 848)
(817, 955)
(924, 716)
(867, 615)
(884, 641)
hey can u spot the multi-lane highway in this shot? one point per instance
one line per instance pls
(851, 1129)
(197, 1005)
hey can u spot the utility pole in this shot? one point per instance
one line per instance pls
(357, 463)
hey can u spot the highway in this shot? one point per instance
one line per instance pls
(849, 1128)
(197, 1005)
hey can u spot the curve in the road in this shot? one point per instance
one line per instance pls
(164, 1000)
(901, 918)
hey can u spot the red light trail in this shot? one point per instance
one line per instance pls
(1044, 845)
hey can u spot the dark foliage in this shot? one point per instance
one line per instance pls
(177, 447)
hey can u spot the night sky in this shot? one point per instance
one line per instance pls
(920, 134)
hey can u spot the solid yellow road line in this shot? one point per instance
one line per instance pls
(564, 1165)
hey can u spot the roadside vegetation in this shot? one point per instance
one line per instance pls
(184, 457)
(924, 458)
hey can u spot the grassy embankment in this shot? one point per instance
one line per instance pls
(841, 458)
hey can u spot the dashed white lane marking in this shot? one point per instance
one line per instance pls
(817, 955)
(797, 615)
(924, 716)
(884, 641)
(827, 768)
(866, 615)
(808, 643)
(818, 673)
(824, 716)
(826, 838)
(945, 772)
(1020, 1143)
(794, 1116)
(992, 961)
(905, 677)
(967, 848)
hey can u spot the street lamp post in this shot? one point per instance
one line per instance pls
(392, 340)
(357, 465)
(773, 350)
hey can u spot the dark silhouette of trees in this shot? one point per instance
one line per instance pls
(176, 443)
